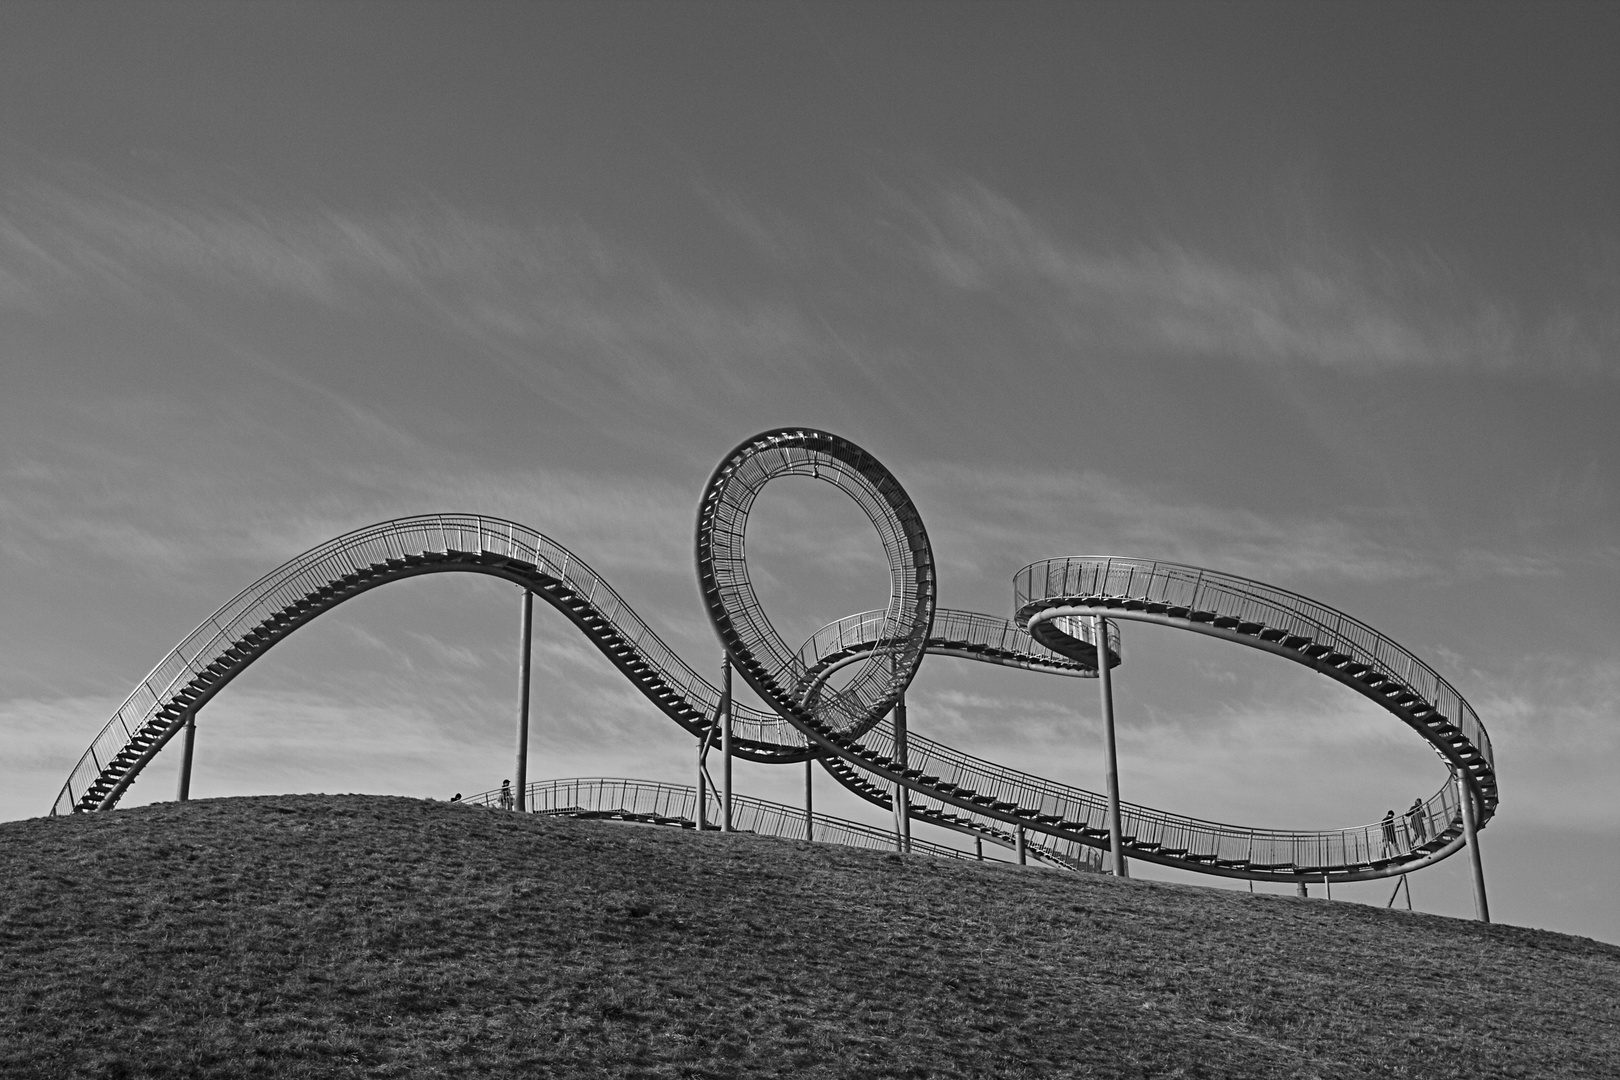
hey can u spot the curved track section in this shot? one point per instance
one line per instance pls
(778, 673)
(319, 580)
(969, 635)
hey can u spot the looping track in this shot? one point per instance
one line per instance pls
(846, 725)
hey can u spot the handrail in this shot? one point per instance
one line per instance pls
(676, 804)
(1375, 664)
(997, 640)
(265, 612)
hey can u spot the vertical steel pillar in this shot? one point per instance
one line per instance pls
(978, 848)
(1116, 847)
(1465, 794)
(809, 799)
(1020, 846)
(902, 794)
(725, 745)
(526, 634)
(184, 792)
(702, 787)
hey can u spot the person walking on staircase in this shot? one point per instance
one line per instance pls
(1415, 821)
(1388, 824)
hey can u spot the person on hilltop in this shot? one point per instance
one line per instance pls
(1415, 821)
(507, 802)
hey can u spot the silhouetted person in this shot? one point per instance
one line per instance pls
(507, 802)
(1415, 820)
(1389, 832)
(456, 797)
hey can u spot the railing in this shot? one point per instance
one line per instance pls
(764, 659)
(661, 803)
(1254, 602)
(294, 591)
(1150, 831)
(953, 630)
(1059, 851)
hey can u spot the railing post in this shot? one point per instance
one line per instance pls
(525, 652)
(809, 798)
(1465, 795)
(1116, 845)
(725, 744)
(902, 794)
(184, 792)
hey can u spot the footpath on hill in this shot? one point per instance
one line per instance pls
(316, 936)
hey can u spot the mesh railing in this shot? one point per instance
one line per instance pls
(1251, 602)
(296, 587)
(764, 659)
(1152, 832)
(662, 803)
(953, 630)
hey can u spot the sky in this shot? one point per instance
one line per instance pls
(1323, 295)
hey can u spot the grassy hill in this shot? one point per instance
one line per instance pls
(360, 936)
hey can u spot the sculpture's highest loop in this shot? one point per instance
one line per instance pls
(775, 670)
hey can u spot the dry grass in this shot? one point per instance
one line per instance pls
(355, 936)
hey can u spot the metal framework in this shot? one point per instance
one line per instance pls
(845, 722)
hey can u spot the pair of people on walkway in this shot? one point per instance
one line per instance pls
(508, 801)
(1416, 824)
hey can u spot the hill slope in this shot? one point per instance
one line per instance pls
(360, 936)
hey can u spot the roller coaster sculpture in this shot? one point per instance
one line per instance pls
(834, 699)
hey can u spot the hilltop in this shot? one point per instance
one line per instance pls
(383, 937)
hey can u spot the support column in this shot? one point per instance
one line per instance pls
(702, 787)
(1116, 847)
(902, 794)
(978, 848)
(1020, 845)
(526, 634)
(1465, 794)
(809, 799)
(184, 792)
(725, 745)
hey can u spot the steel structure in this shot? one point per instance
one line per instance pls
(832, 698)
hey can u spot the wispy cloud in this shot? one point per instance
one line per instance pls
(162, 506)
(996, 514)
(562, 308)
(1555, 727)
(1334, 307)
